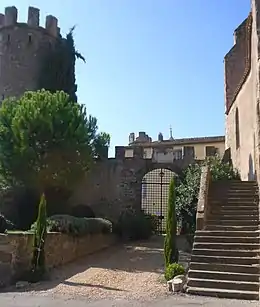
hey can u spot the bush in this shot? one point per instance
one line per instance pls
(187, 190)
(172, 270)
(133, 225)
(75, 226)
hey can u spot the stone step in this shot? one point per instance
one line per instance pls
(223, 276)
(238, 211)
(224, 267)
(222, 293)
(223, 284)
(233, 222)
(217, 227)
(226, 246)
(233, 194)
(225, 253)
(237, 217)
(244, 233)
(232, 203)
(226, 259)
(226, 239)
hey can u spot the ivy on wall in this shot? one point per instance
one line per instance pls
(58, 67)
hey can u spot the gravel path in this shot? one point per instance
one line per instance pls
(130, 275)
(129, 272)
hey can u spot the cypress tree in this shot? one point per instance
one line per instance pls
(39, 240)
(170, 248)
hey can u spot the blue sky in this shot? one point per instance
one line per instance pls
(150, 63)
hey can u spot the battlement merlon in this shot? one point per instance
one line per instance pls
(33, 16)
(11, 15)
(2, 20)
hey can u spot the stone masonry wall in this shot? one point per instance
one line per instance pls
(245, 156)
(116, 184)
(23, 47)
(16, 251)
(237, 61)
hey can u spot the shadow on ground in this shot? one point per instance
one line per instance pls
(133, 257)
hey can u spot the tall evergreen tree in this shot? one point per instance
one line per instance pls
(170, 248)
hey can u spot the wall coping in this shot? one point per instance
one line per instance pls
(203, 198)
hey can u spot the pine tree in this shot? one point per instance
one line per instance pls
(170, 248)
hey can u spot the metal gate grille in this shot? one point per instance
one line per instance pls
(155, 189)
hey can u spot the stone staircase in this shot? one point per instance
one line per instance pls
(225, 260)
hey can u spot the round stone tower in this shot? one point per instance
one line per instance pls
(23, 47)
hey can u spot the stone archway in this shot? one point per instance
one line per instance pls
(155, 190)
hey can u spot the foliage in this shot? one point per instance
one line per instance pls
(133, 225)
(220, 170)
(173, 270)
(58, 67)
(38, 262)
(46, 140)
(187, 197)
(75, 226)
(170, 247)
(187, 190)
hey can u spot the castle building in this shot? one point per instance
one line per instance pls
(23, 47)
(242, 96)
(167, 150)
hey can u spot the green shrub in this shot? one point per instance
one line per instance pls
(172, 270)
(133, 225)
(187, 189)
(170, 247)
(75, 226)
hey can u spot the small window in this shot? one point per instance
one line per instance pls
(177, 154)
(211, 151)
(8, 38)
(30, 38)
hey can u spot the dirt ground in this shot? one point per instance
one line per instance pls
(133, 271)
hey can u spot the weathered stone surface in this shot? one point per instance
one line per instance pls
(202, 207)
(59, 250)
(116, 184)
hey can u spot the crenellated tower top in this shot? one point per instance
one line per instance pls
(9, 19)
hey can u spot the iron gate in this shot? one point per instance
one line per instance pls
(155, 190)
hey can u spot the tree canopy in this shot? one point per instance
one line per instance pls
(46, 139)
(188, 186)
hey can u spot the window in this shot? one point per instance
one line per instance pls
(8, 38)
(211, 151)
(237, 129)
(29, 38)
(177, 154)
(189, 151)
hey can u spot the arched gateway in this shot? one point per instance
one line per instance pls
(155, 190)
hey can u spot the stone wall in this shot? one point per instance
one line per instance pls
(23, 47)
(115, 184)
(16, 251)
(242, 114)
